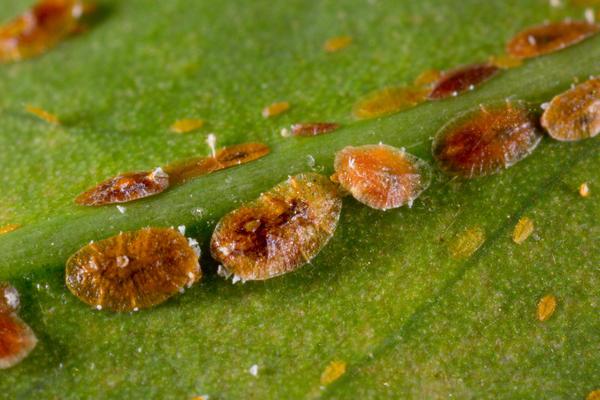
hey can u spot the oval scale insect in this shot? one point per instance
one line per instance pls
(574, 114)
(547, 38)
(280, 231)
(17, 339)
(459, 80)
(133, 270)
(125, 187)
(310, 129)
(381, 176)
(40, 28)
(390, 100)
(182, 171)
(486, 140)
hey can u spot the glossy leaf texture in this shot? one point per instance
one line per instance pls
(385, 298)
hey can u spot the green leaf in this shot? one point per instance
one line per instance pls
(384, 295)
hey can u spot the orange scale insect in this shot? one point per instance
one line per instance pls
(280, 231)
(241, 154)
(462, 79)
(17, 340)
(381, 176)
(126, 187)
(390, 100)
(40, 28)
(312, 128)
(133, 270)
(574, 114)
(550, 37)
(182, 171)
(486, 140)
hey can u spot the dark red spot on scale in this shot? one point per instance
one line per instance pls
(459, 80)
(486, 140)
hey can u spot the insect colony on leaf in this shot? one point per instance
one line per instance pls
(288, 225)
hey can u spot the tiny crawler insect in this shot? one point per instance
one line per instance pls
(133, 270)
(337, 43)
(186, 125)
(381, 176)
(9, 298)
(584, 190)
(125, 187)
(9, 228)
(275, 109)
(311, 129)
(390, 100)
(456, 81)
(16, 340)
(333, 372)
(40, 28)
(485, 140)
(574, 114)
(546, 307)
(550, 37)
(467, 242)
(523, 230)
(278, 232)
(43, 114)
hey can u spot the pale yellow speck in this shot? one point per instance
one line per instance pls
(337, 43)
(8, 228)
(42, 114)
(546, 307)
(467, 243)
(186, 125)
(523, 230)
(333, 372)
(427, 77)
(584, 190)
(593, 395)
(275, 109)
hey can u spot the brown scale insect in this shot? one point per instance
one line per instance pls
(182, 171)
(574, 114)
(126, 187)
(280, 231)
(390, 100)
(550, 37)
(311, 128)
(486, 140)
(462, 79)
(16, 338)
(40, 28)
(381, 176)
(241, 154)
(133, 270)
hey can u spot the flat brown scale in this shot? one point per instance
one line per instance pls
(313, 128)
(16, 340)
(486, 140)
(462, 79)
(550, 37)
(241, 154)
(390, 100)
(40, 28)
(126, 187)
(182, 171)
(381, 176)
(280, 231)
(133, 270)
(9, 298)
(574, 114)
